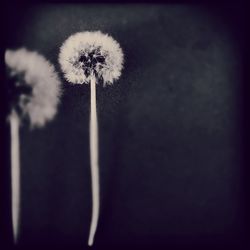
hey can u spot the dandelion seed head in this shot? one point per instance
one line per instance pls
(35, 87)
(87, 53)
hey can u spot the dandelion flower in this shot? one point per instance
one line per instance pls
(34, 92)
(92, 57)
(86, 53)
(35, 84)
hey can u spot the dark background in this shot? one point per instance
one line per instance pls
(172, 166)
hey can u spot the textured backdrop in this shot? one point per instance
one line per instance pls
(170, 138)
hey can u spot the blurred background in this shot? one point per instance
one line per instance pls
(171, 131)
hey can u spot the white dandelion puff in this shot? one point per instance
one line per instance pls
(92, 57)
(34, 92)
(91, 52)
(36, 84)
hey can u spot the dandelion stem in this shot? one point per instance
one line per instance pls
(94, 161)
(15, 173)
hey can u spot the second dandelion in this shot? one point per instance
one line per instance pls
(34, 91)
(88, 58)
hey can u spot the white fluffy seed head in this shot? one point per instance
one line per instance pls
(40, 76)
(86, 53)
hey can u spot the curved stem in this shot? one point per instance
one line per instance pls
(94, 161)
(15, 173)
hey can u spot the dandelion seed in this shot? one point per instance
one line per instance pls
(33, 92)
(86, 58)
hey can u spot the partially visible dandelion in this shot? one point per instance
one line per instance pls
(34, 92)
(92, 57)
(34, 85)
